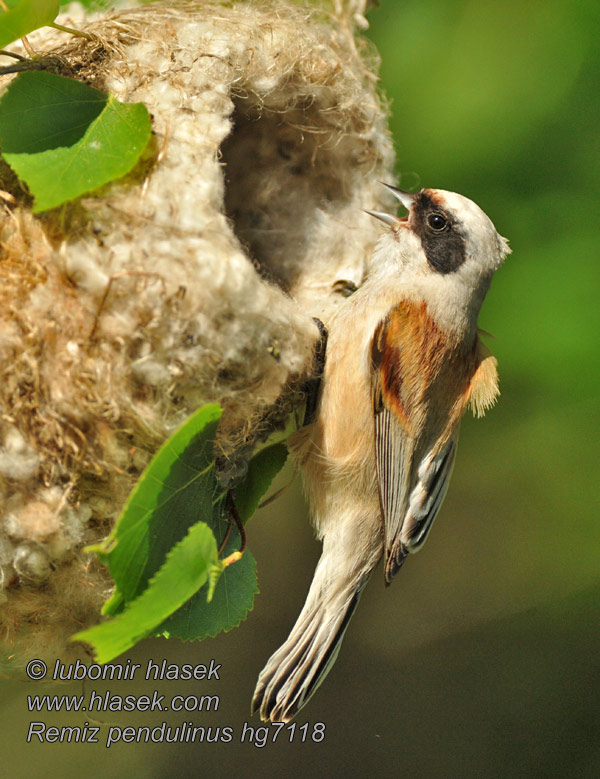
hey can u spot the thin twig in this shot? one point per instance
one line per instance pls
(28, 47)
(71, 31)
(5, 53)
(25, 64)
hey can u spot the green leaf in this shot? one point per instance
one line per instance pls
(234, 593)
(74, 142)
(231, 601)
(176, 490)
(24, 17)
(262, 469)
(184, 571)
(41, 111)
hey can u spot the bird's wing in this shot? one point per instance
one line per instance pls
(416, 408)
(408, 505)
(424, 502)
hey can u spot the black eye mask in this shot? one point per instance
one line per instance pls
(441, 239)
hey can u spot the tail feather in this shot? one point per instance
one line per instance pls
(298, 667)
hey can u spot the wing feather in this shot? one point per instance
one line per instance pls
(424, 503)
(420, 388)
(427, 496)
(393, 448)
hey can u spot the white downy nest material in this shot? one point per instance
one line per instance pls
(193, 280)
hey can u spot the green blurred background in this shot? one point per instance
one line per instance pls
(482, 659)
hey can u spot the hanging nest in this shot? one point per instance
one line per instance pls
(193, 279)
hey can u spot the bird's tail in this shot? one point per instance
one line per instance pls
(298, 667)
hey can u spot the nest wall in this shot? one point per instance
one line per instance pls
(194, 279)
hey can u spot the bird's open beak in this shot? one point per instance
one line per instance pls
(407, 201)
(405, 198)
(387, 219)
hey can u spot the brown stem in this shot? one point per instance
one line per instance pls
(28, 47)
(5, 53)
(77, 33)
(237, 519)
(223, 543)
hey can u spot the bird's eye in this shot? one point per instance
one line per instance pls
(437, 222)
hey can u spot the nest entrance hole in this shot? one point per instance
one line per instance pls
(279, 175)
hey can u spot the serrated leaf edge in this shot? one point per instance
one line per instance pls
(81, 635)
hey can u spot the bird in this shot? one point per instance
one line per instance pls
(404, 359)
